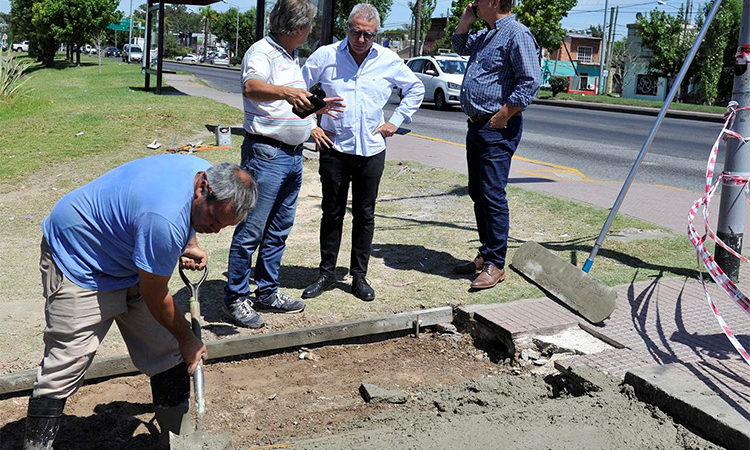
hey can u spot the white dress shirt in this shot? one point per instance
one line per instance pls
(365, 89)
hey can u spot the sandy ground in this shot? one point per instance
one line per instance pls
(456, 397)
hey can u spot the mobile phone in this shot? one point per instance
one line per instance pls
(474, 10)
(317, 99)
(403, 130)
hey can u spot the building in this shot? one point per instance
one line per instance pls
(636, 81)
(578, 60)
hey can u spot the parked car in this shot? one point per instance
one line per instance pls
(220, 59)
(112, 51)
(20, 46)
(442, 76)
(208, 57)
(188, 58)
(134, 51)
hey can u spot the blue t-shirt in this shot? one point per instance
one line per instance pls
(136, 216)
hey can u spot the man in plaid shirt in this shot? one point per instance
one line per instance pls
(501, 80)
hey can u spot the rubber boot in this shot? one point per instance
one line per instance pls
(171, 394)
(175, 419)
(42, 422)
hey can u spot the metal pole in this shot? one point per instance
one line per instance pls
(647, 143)
(602, 50)
(260, 19)
(130, 36)
(732, 210)
(237, 35)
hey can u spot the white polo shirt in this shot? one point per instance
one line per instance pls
(267, 61)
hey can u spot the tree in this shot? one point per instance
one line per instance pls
(428, 7)
(595, 31)
(20, 23)
(207, 16)
(714, 62)
(669, 39)
(621, 59)
(344, 7)
(70, 21)
(225, 27)
(542, 17)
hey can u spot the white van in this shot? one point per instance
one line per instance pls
(135, 52)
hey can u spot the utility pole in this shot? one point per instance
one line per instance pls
(731, 226)
(237, 35)
(130, 36)
(418, 28)
(602, 50)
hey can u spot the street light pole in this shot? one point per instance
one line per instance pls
(237, 35)
(731, 226)
(602, 50)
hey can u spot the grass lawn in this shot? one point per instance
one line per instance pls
(547, 95)
(424, 217)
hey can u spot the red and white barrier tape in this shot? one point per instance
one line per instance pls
(699, 242)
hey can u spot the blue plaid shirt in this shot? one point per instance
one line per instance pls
(503, 67)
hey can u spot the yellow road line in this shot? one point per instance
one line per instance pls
(561, 169)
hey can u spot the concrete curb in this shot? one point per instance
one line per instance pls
(671, 388)
(675, 114)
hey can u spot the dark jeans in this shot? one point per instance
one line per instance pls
(278, 173)
(488, 153)
(337, 170)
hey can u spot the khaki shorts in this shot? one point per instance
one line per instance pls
(77, 319)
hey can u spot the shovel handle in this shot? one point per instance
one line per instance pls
(195, 306)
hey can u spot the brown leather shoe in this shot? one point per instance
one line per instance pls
(471, 267)
(488, 277)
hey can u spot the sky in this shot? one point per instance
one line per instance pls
(586, 12)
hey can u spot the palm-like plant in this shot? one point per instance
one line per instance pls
(11, 75)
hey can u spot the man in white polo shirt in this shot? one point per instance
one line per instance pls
(272, 85)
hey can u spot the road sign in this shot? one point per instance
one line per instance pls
(124, 25)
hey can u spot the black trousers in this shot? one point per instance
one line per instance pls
(337, 171)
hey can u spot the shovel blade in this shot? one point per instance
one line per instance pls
(200, 440)
(580, 291)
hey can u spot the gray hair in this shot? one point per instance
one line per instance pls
(365, 11)
(227, 183)
(288, 16)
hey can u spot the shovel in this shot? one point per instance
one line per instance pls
(198, 439)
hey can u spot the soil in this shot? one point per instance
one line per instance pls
(456, 397)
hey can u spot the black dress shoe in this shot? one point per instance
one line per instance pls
(362, 290)
(471, 267)
(323, 283)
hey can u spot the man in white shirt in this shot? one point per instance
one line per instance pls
(272, 86)
(353, 146)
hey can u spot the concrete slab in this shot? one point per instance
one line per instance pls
(583, 293)
(678, 390)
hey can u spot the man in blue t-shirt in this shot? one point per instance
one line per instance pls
(107, 253)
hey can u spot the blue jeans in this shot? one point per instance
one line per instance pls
(488, 154)
(278, 173)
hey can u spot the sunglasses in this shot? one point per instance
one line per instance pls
(359, 33)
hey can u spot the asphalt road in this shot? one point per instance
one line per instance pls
(600, 144)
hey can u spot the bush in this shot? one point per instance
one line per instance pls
(558, 84)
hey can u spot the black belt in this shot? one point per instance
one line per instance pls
(480, 118)
(272, 141)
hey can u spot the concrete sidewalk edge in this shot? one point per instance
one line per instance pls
(673, 391)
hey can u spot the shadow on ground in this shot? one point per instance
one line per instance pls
(115, 424)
